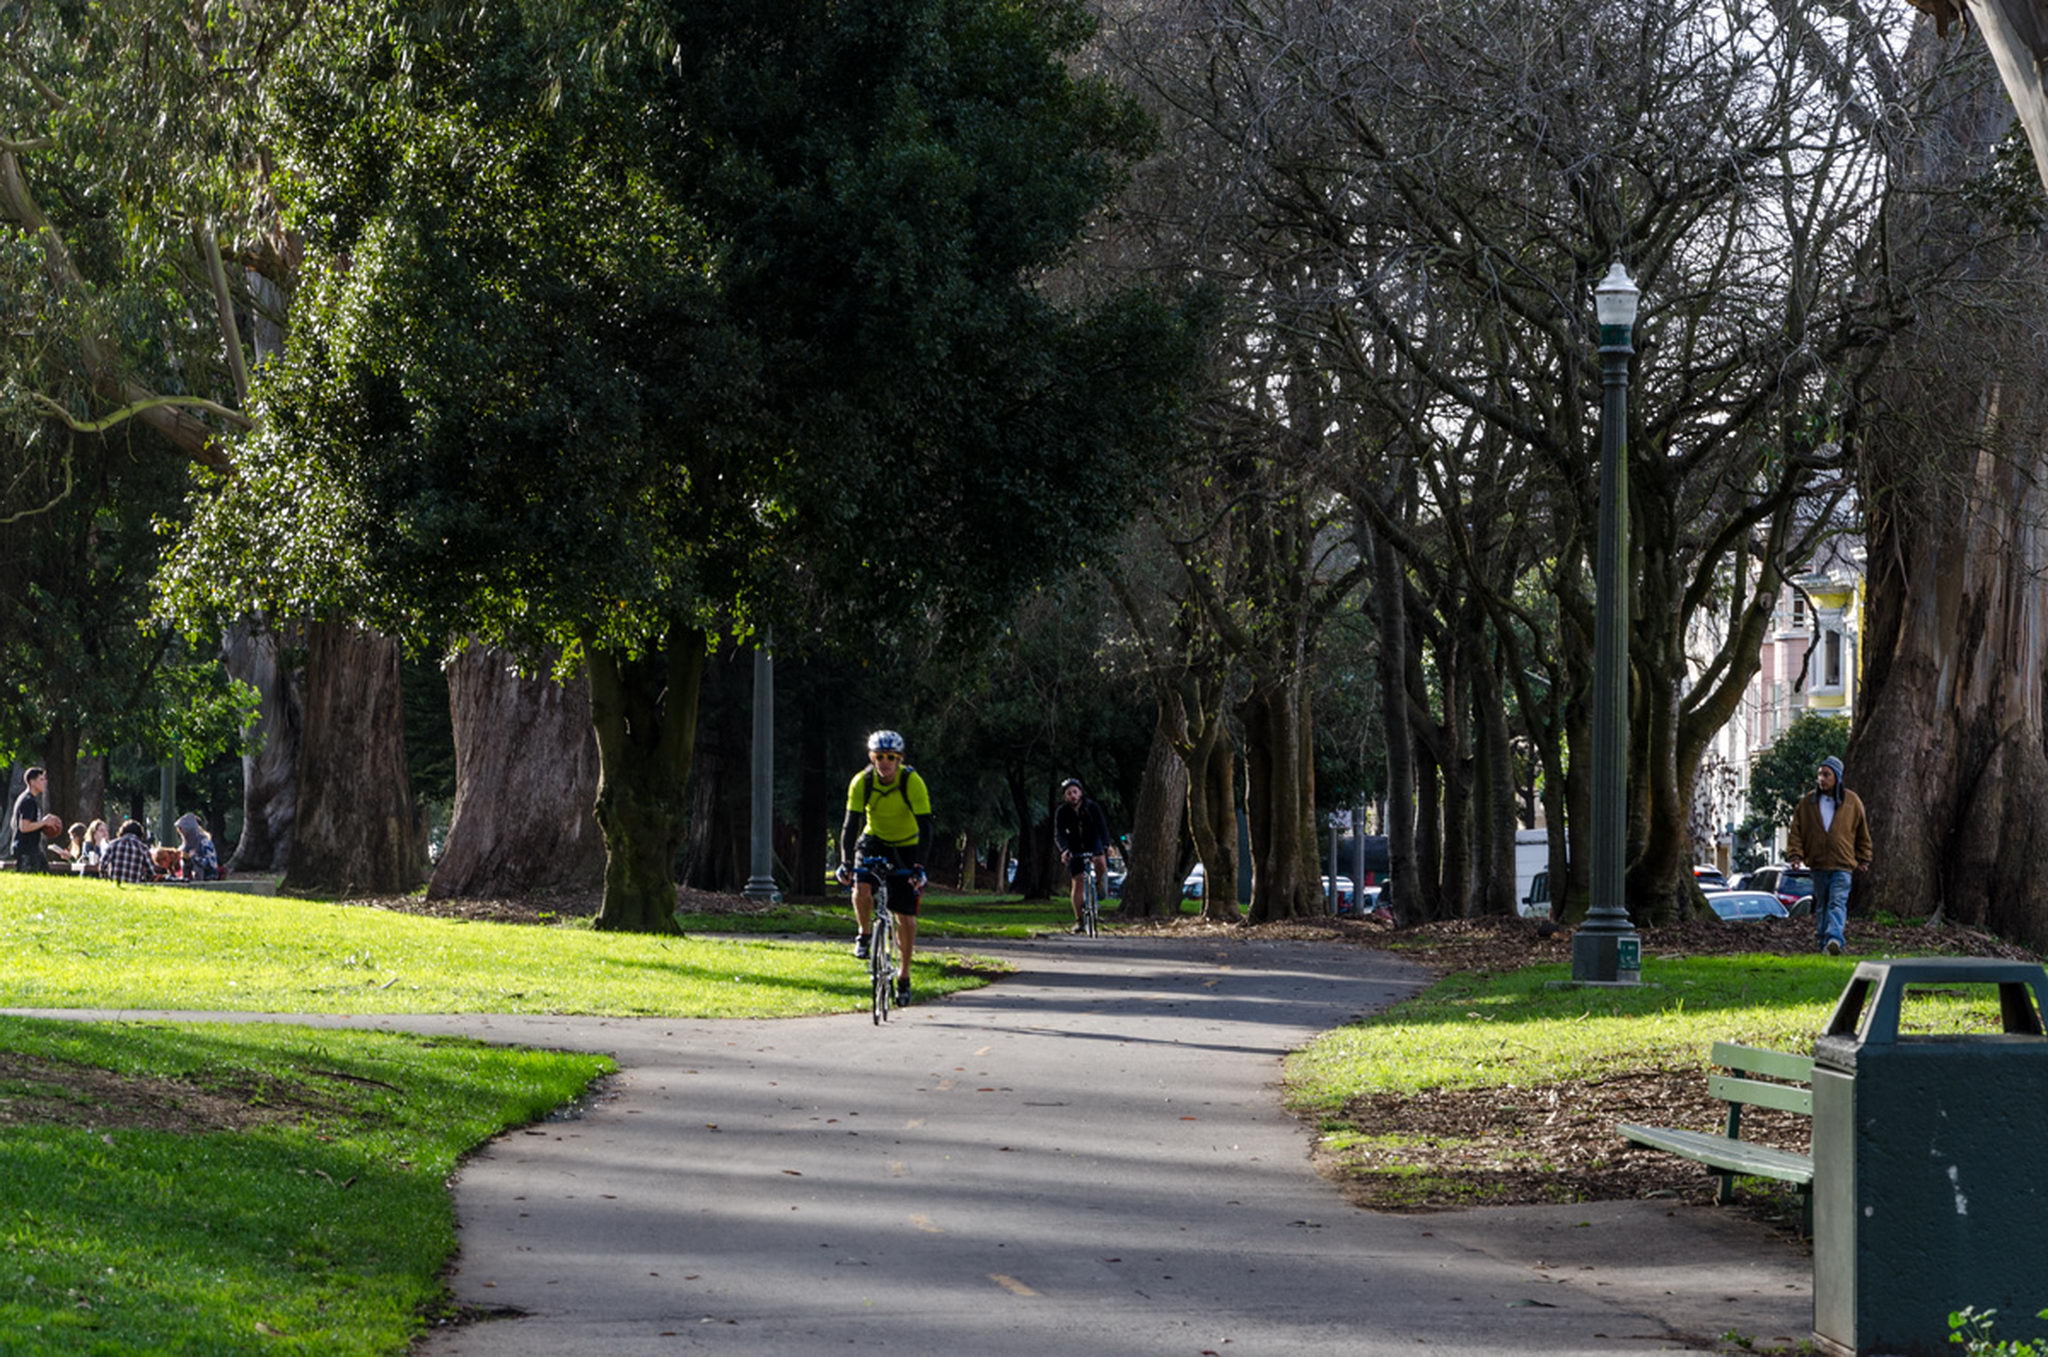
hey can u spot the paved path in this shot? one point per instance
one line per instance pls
(1089, 1157)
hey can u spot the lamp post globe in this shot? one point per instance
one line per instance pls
(1605, 948)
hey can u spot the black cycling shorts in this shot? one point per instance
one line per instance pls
(903, 896)
(1083, 863)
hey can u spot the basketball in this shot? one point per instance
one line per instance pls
(53, 831)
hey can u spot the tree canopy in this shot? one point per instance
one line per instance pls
(613, 340)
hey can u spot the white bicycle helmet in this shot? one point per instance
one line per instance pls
(885, 740)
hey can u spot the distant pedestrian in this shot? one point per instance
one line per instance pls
(1831, 834)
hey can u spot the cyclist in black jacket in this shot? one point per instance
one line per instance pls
(1081, 831)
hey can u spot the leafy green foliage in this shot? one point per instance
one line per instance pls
(1971, 1329)
(1783, 773)
(605, 331)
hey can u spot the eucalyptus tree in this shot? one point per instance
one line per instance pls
(626, 325)
(1951, 741)
(129, 224)
(147, 273)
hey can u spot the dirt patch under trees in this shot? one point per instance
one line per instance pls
(35, 1091)
(1446, 1149)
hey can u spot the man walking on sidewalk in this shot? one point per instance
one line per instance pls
(1831, 834)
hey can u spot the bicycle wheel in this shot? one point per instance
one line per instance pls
(1090, 906)
(881, 969)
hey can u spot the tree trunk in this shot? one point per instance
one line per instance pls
(525, 818)
(1496, 761)
(942, 858)
(1151, 887)
(718, 853)
(1454, 764)
(970, 858)
(1033, 851)
(60, 763)
(353, 834)
(270, 759)
(1212, 815)
(814, 808)
(644, 709)
(1390, 607)
(92, 788)
(1280, 800)
(1947, 751)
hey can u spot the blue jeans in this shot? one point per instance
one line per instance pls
(1830, 905)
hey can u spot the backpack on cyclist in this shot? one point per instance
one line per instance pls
(867, 786)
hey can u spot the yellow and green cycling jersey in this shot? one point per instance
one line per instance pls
(892, 807)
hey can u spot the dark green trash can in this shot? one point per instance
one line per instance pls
(1930, 1174)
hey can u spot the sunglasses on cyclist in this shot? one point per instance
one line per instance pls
(888, 758)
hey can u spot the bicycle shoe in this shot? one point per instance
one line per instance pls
(1079, 930)
(902, 991)
(862, 945)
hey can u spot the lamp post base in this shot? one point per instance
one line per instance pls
(1607, 958)
(762, 888)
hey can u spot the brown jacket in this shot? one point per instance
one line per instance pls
(1846, 847)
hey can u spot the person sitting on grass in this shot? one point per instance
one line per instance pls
(127, 858)
(202, 860)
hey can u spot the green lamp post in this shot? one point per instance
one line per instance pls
(1605, 948)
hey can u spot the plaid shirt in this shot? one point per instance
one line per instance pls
(127, 859)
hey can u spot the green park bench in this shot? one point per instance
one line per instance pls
(1729, 1156)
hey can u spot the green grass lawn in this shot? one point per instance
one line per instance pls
(185, 1188)
(92, 944)
(1516, 1027)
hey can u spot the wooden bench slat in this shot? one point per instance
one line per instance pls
(1757, 1060)
(1719, 1152)
(1755, 1093)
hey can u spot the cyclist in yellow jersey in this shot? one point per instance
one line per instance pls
(888, 815)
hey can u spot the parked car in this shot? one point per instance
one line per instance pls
(1341, 888)
(1536, 904)
(1708, 876)
(1732, 906)
(1192, 887)
(1789, 884)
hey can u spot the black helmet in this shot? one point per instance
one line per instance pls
(1071, 782)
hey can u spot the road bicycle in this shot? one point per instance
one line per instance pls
(1091, 906)
(881, 939)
